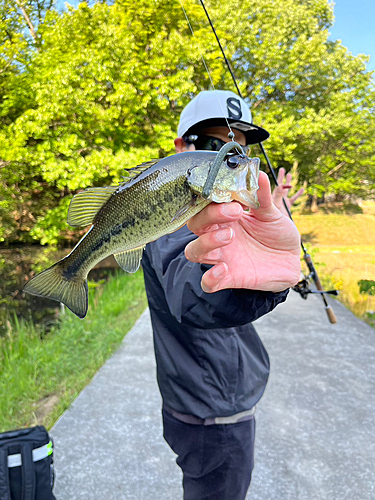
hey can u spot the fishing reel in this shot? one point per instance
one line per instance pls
(303, 288)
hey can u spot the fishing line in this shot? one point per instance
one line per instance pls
(221, 48)
(240, 94)
(231, 135)
(273, 173)
(307, 257)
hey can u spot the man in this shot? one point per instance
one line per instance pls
(211, 365)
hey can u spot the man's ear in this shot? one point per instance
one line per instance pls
(180, 145)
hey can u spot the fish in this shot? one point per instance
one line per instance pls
(159, 197)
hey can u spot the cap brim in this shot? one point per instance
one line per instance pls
(253, 133)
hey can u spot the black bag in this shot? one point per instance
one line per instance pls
(26, 465)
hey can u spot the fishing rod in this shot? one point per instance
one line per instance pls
(302, 286)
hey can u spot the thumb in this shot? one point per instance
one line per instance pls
(267, 210)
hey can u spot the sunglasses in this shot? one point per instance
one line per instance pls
(208, 143)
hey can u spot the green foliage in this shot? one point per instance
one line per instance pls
(95, 89)
(367, 287)
(49, 228)
(316, 99)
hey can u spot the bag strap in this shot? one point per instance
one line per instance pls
(28, 472)
(4, 475)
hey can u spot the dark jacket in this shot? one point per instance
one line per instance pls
(210, 360)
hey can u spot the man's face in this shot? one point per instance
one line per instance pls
(217, 132)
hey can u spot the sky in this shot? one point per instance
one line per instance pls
(355, 27)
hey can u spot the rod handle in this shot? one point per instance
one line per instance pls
(331, 315)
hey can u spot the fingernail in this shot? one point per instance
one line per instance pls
(231, 209)
(225, 234)
(218, 270)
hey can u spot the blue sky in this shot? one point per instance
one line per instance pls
(355, 27)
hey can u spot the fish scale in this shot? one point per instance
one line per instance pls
(142, 220)
(159, 200)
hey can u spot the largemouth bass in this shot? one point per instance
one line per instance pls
(160, 199)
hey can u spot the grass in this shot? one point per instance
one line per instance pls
(343, 250)
(41, 375)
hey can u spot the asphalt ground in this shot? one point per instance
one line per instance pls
(315, 423)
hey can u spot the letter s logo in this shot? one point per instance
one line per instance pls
(234, 108)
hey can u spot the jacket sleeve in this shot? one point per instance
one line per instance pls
(164, 261)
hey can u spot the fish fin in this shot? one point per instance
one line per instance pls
(130, 260)
(86, 204)
(134, 172)
(52, 284)
(182, 211)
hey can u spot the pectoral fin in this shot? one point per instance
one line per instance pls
(182, 211)
(130, 260)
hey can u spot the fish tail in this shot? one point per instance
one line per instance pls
(71, 291)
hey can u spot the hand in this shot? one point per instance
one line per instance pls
(258, 250)
(282, 190)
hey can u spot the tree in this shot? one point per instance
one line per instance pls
(17, 48)
(98, 104)
(97, 89)
(316, 99)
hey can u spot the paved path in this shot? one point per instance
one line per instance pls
(315, 424)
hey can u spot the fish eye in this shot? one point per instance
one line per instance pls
(233, 161)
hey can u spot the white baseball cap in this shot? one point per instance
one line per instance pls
(212, 108)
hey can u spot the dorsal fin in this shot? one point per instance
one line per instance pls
(86, 204)
(134, 172)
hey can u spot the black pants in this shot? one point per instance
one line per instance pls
(216, 460)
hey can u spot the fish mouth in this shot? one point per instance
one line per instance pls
(243, 196)
(246, 198)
